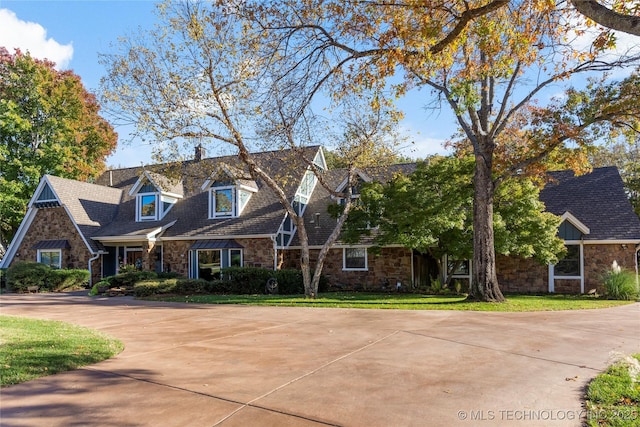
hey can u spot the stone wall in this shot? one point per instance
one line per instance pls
(55, 224)
(392, 265)
(598, 260)
(256, 253)
(522, 275)
(528, 276)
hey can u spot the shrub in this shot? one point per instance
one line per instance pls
(170, 275)
(23, 274)
(62, 280)
(620, 284)
(246, 280)
(130, 278)
(191, 286)
(99, 287)
(154, 287)
(290, 282)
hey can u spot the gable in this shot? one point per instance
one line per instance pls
(46, 198)
(598, 199)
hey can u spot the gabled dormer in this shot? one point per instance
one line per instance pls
(44, 196)
(229, 192)
(360, 179)
(155, 196)
(571, 228)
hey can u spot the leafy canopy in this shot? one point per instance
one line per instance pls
(49, 124)
(431, 211)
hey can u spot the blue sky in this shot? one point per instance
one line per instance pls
(73, 33)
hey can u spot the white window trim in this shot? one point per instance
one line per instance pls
(59, 251)
(195, 273)
(212, 202)
(139, 216)
(457, 275)
(344, 260)
(553, 277)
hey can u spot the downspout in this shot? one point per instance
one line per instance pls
(636, 262)
(275, 252)
(90, 271)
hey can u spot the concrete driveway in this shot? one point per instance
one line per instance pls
(199, 365)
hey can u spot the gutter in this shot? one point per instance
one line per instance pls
(636, 262)
(275, 252)
(97, 255)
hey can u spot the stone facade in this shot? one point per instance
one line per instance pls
(522, 275)
(384, 271)
(599, 258)
(256, 253)
(54, 223)
(528, 276)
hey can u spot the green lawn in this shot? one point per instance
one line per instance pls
(613, 397)
(31, 348)
(405, 301)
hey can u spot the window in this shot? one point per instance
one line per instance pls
(208, 263)
(52, 258)
(569, 266)
(226, 200)
(223, 202)
(147, 207)
(354, 259)
(463, 268)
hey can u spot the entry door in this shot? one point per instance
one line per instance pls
(425, 269)
(135, 258)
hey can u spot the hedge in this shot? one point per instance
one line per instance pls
(25, 274)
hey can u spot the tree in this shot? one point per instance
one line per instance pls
(624, 153)
(622, 17)
(486, 61)
(196, 77)
(49, 124)
(431, 211)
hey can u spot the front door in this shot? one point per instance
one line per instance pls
(425, 269)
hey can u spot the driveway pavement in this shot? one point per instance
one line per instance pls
(199, 365)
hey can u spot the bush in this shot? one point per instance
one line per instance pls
(99, 287)
(245, 280)
(154, 287)
(63, 280)
(192, 286)
(24, 274)
(130, 278)
(620, 284)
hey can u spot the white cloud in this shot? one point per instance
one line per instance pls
(424, 147)
(32, 37)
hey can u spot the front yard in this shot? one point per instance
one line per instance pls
(514, 303)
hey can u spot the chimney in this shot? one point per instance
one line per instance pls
(199, 153)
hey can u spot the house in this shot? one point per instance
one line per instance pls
(599, 227)
(200, 216)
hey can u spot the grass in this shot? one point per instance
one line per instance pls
(613, 397)
(31, 348)
(405, 301)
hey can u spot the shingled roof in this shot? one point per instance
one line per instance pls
(262, 215)
(318, 233)
(91, 206)
(596, 199)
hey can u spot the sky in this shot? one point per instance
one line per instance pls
(73, 34)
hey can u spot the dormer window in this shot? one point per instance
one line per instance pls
(152, 203)
(228, 196)
(223, 200)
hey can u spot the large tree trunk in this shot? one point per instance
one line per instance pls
(484, 281)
